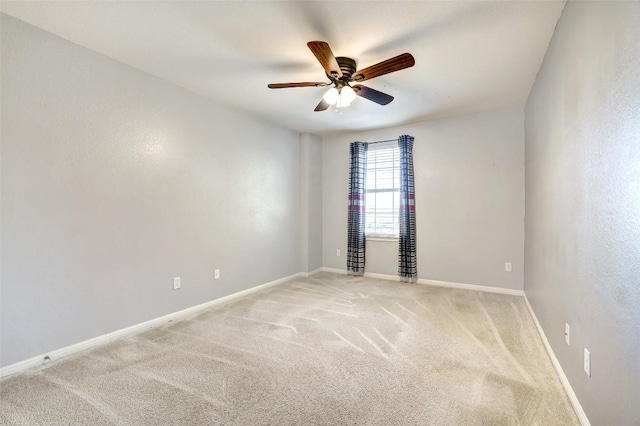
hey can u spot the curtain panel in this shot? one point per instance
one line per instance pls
(356, 218)
(407, 262)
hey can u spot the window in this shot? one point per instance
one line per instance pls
(382, 197)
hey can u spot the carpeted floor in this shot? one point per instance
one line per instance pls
(325, 350)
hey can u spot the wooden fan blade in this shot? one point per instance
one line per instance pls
(326, 58)
(304, 84)
(322, 106)
(372, 94)
(397, 63)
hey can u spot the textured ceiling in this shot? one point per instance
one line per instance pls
(471, 56)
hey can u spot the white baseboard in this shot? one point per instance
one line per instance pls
(39, 360)
(382, 276)
(312, 273)
(582, 416)
(483, 288)
(366, 274)
(335, 271)
(486, 289)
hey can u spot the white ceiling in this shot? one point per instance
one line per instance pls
(471, 56)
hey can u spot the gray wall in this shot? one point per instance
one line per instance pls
(310, 202)
(583, 203)
(114, 182)
(469, 176)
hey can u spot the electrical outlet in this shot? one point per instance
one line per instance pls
(587, 362)
(567, 334)
(338, 252)
(216, 274)
(507, 267)
(176, 283)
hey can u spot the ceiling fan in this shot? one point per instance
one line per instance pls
(342, 73)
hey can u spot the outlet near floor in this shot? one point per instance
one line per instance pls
(567, 334)
(176, 283)
(216, 274)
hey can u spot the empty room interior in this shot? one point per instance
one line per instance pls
(320, 213)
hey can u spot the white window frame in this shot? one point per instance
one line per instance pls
(371, 188)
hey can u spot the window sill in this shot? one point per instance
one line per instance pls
(378, 238)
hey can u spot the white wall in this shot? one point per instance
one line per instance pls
(583, 203)
(310, 202)
(469, 177)
(114, 182)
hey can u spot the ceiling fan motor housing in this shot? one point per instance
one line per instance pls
(347, 66)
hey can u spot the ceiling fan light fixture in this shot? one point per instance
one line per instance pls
(332, 96)
(340, 97)
(347, 94)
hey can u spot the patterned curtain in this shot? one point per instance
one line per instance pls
(355, 226)
(407, 264)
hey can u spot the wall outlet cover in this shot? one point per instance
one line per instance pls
(587, 362)
(176, 283)
(567, 334)
(507, 267)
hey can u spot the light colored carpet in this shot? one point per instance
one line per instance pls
(325, 350)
